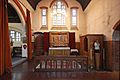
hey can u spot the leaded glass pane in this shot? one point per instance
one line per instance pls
(59, 13)
(74, 12)
(44, 17)
(74, 17)
(44, 12)
(74, 20)
(15, 36)
(43, 20)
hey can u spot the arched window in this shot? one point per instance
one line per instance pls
(74, 15)
(59, 12)
(44, 15)
(15, 36)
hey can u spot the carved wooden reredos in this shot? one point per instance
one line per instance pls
(59, 39)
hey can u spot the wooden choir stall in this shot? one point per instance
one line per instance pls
(91, 45)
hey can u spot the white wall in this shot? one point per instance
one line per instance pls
(16, 26)
(101, 16)
(19, 28)
(36, 18)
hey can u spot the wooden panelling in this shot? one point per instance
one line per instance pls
(87, 48)
(58, 39)
(112, 55)
(38, 47)
(116, 55)
(33, 44)
(82, 45)
(77, 45)
(108, 54)
(46, 42)
(72, 40)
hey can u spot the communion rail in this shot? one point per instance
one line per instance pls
(60, 63)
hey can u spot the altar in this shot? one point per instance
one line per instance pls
(59, 51)
(59, 43)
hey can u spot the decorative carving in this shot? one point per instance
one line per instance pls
(58, 39)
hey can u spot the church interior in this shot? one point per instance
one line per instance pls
(59, 39)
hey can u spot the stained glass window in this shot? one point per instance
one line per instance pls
(59, 11)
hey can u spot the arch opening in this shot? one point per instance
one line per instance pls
(116, 46)
(17, 34)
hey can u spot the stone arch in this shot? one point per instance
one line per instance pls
(116, 26)
(21, 16)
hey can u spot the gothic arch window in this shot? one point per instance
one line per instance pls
(15, 36)
(44, 16)
(74, 16)
(59, 13)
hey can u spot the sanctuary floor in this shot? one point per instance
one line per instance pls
(25, 71)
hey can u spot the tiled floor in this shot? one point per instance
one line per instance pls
(17, 60)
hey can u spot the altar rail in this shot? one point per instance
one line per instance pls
(60, 63)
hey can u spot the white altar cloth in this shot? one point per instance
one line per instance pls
(59, 51)
(59, 48)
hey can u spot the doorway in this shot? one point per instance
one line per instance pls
(17, 36)
(116, 47)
